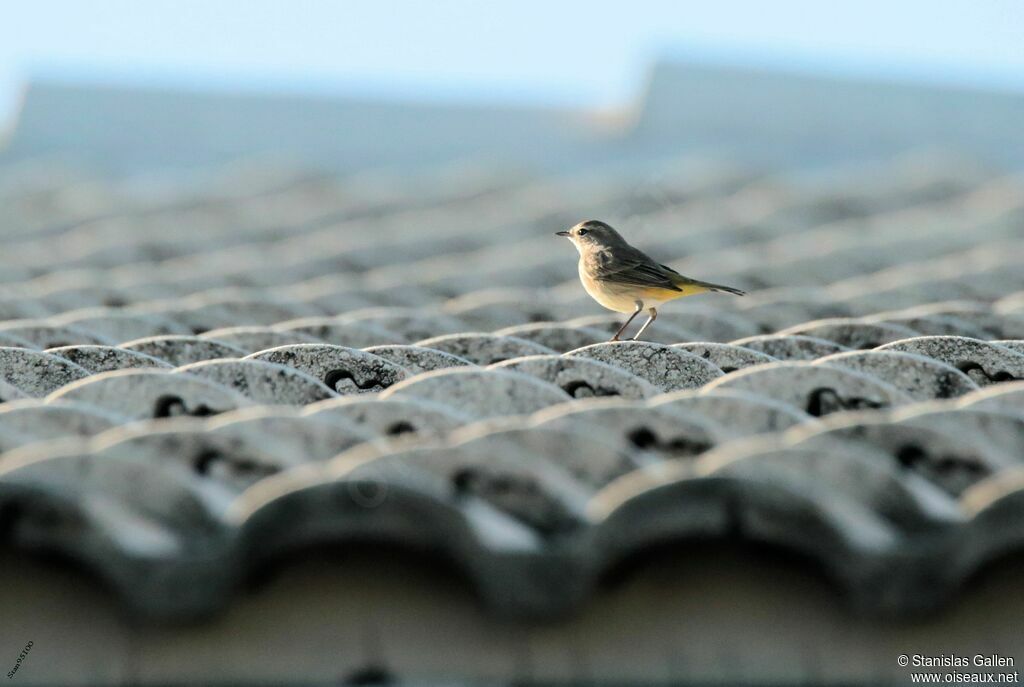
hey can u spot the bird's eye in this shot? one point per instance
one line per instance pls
(583, 232)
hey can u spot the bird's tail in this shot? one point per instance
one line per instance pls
(711, 287)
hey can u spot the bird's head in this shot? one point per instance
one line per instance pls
(592, 234)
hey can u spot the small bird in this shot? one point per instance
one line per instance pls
(624, 279)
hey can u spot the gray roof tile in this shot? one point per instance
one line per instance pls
(885, 464)
(118, 325)
(392, 417)
(664, 367)
(985, 363)
(297, 438)
(919, 377)
(417, 358)
(556, 336)
(853, 333)
(661, 431)
(144, 394)
(105, 358)
(941, 457)
(183, 350)
(8, 340)
(581, 377)
(255, 339)
(1007, 397)
(28, 421)
(818, 390)
(484, 349)
(262, 382)
(727, 357)
(331, 330)
(45, 334)
(36, 374)
(344, 370)
(657, 333)
(410, 323)
(741, 413)
(480, 393)
(790, 346)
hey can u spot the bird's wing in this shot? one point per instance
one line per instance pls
(634, 268)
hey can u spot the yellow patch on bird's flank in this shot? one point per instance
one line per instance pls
(656, 294)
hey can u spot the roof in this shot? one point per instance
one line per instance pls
(771, 118)
(195, 383)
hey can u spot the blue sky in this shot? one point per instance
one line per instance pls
(566, 53)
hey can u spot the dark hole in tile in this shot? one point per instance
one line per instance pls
(968, 366)
(582, 389)
(201, 463)
(954, 473)
(646, 439)
(642, 437)
(464, 480)
(400, 427)
(334, 377)
(821, 402)
(175, 406)
(910, 455)
(205, 462)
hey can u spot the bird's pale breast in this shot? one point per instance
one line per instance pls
(623, 297)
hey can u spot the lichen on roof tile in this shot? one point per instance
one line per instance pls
(920, 377)
(183, 350)
(416, 358)
(97, 359)
(262, 382)
(664, 367)
(344, 370)
(727, 357)
(581, 377)
(853, 333)
(35, 373)
(985, 363)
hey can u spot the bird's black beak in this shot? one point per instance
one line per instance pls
(561, 233)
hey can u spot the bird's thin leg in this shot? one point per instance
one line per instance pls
(639, 307)
(654, 316)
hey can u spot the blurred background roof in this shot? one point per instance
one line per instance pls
(125, 86)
